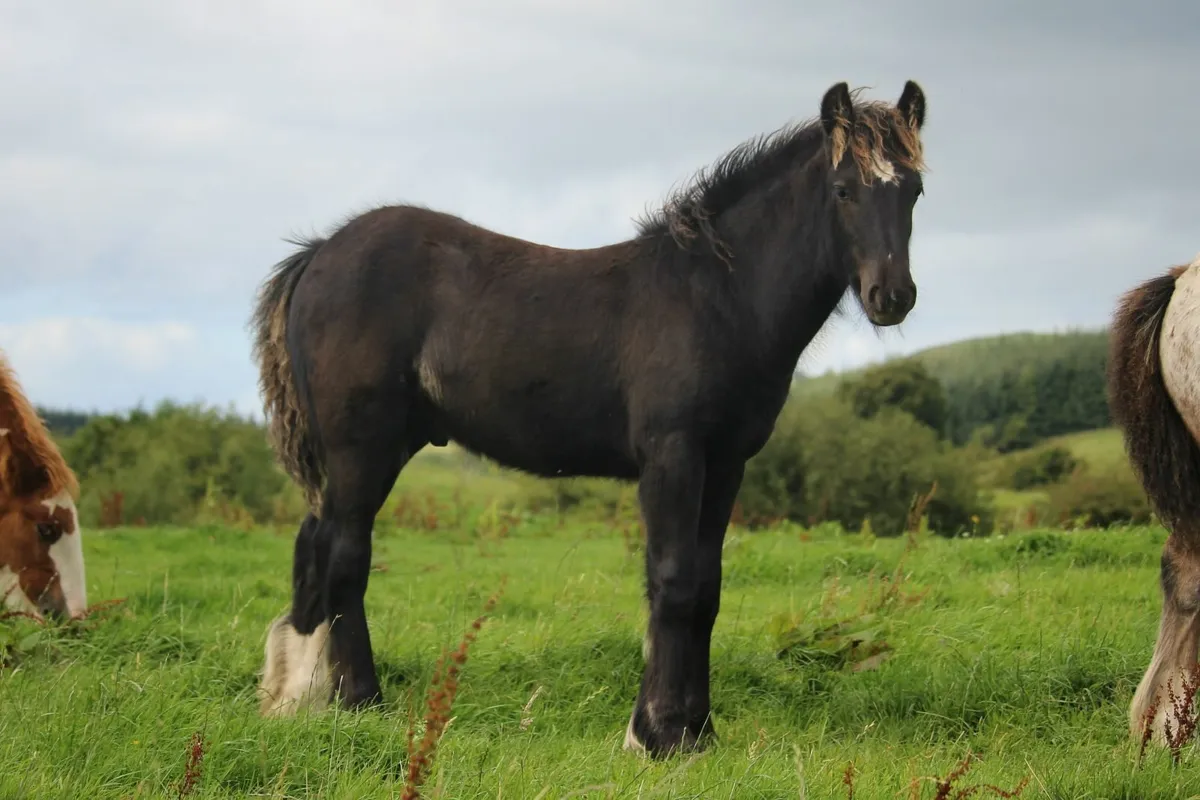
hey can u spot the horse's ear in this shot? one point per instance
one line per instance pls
(836, 108)
(912, 104)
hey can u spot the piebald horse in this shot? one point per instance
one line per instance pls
(1154, 397)
(663, 359)
(41, 552)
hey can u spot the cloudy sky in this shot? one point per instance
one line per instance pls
(154, 154)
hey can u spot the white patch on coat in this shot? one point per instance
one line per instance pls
(67, 554)
(631, 741)
(883, 169)
(1179, 347)
(298, 672)
(14, 597)
(427, 375)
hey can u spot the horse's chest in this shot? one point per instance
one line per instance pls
(749, 420)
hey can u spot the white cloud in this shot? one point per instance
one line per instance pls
(52, 342)
(56, 357)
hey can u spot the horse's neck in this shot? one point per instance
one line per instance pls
(790, 263)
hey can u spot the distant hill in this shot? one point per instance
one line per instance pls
(1011, 390)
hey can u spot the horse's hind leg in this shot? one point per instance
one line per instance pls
(298, 671)
(322, 646)
(369, 433)
(1175, 650)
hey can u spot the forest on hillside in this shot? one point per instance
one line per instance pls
(1010, 392)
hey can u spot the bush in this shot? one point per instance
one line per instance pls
(904, 384)
(1099, 500)
(825, 463)
(1042, 466)
(591, 496)
(176, 464)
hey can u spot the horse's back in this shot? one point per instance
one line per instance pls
(513, 348)
(1179, 347)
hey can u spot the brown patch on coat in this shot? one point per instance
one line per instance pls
(32, 470)
(27, 531)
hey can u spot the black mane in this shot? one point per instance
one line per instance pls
(717, 187)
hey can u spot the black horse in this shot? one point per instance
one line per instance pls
(663, 359)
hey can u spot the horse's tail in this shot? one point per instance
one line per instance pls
(287, 422)
(1162, 450)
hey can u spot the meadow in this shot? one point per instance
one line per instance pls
(857, 654)
(843, 666)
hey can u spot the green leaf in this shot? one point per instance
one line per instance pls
(29, 642)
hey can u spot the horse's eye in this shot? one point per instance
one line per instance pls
(47, 532)
(840, 191)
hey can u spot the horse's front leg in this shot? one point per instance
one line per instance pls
(722, 480)
(670, 492)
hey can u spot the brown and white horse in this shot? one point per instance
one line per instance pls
(41, 555)
(1154, 397)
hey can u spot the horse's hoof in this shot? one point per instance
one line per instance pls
(662, 741)
(364, 701)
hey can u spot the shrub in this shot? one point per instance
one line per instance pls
(825, 463)
(175, 464)
(904, 384)
(1042, 466)
(1099, 500)
(588, 496)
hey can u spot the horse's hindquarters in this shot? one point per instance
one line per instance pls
(1179, 348)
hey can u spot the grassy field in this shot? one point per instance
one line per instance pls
(1101, 449)
(1022, 650)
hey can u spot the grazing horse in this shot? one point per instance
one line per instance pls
(41, 553)
(663, 359)
(1154, 397)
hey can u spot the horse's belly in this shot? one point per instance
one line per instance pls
(538, 428)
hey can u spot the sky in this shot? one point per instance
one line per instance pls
(153, 156)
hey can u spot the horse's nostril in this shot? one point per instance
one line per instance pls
(873, 296)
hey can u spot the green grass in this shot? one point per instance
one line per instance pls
(1023, 650)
